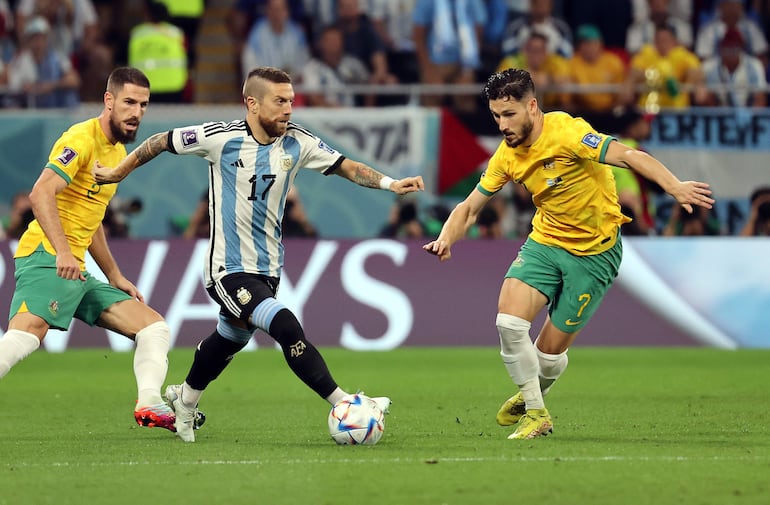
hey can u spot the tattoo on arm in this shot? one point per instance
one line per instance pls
(151, 147)
(366, 176)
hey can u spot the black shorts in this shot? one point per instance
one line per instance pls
(239, 294)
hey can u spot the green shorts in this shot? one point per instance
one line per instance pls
(574, 285)
(41, 292)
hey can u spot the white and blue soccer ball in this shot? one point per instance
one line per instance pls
(356, 419)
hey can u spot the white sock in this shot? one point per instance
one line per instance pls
(551, 368)
(519, 357)
(14, 347)
(336, 396)
(151, 362)
(190, 396)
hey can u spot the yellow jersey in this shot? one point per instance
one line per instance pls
(608, 69)
(555, 70)
(572, 189)
(82, 203)
(665, 74)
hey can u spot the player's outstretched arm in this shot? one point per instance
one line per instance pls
(366, 176)
(687, 193)
(146, 151)
(456, 226)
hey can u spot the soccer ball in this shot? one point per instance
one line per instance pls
(356, 419)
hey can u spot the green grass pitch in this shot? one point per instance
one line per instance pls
(632, 426)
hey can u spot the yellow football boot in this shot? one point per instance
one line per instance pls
(534, 423)
(511, 411)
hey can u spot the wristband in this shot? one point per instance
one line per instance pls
(385, 182)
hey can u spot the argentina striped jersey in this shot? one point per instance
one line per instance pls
(248, 183)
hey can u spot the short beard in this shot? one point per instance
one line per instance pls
(121, 136)
(271, 128)
(526, 130)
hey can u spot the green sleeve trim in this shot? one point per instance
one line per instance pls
(59, 171)
(605, 146)
(484, 191)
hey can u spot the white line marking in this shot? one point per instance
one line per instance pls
(258, 462)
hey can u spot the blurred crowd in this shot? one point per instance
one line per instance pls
(588, 55)
(628, 58)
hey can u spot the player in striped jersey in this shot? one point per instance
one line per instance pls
(252, 164)
(52, 284)
(573, 253)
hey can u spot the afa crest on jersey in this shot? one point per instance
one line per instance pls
(287, 161)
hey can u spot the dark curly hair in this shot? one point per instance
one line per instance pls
(510, 83)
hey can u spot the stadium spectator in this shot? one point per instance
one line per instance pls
(669, 73)
(731, 14)
(326, 75)
(492, 35)
(198, 225)
(574, 252)
(758, 222)
(242, 16)
(75, 31)
(403, 221)
(244, 13)
(295, 222)
(540, 18)
(73, 23)
(735, 78)
(21, 215)
(612, 18)
(683, 10)
(448, 52)
(320, 13)
(157, 48)
(435, 216)
(186, 15)
(592, 64)
(42, 75)
(116, 217)
(548, 70)
(488, 224)
(393, 21)
(245, 284)
(275, 40)
(7, 43)
(643, 31)
(362, 41)
(699, 222)
(634, 191)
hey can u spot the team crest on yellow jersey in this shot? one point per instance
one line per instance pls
(287, 161)
(549, 164)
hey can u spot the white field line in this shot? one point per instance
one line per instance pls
(258, 462)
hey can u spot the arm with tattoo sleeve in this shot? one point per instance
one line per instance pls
(146, 151)
(366, 176)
